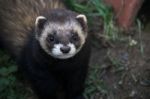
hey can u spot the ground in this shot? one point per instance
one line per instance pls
(124, 68)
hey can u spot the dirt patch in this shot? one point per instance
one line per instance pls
(126, 69)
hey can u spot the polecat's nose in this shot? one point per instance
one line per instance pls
(65, 49)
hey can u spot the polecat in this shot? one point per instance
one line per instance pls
(50, 44)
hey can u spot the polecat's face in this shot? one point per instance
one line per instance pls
(61, 40)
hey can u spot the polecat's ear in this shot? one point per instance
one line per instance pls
(40, 21)
(82, 20)
(82, 17)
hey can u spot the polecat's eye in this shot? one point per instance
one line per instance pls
(75, 36)
(51, 38)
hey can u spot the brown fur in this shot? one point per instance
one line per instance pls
(17, 17)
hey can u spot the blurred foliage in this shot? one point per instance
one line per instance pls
(10, 86)
(94, 84)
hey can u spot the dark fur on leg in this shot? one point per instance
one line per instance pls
(46, 73)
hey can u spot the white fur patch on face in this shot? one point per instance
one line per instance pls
(56, 52)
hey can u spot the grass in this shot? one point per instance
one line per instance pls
(95, 85)
(10, 86)
(139, 27)
(116, 63)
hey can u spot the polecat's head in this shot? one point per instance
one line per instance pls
(61, 33)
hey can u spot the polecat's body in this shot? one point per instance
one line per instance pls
(50, 43)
